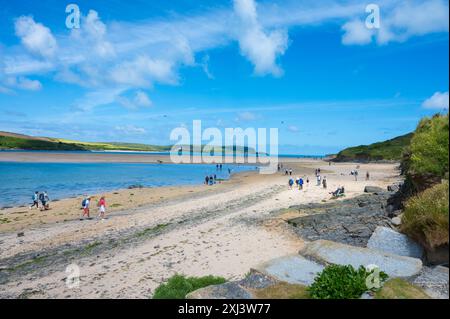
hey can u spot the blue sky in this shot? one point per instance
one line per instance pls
(135, 70)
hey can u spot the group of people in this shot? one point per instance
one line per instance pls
(101, 204)
(41, 197)
(320, 180)
(299, 182)
(212, 178)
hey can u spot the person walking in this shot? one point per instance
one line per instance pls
(35, 199)
(319, 178)
(102, 207)
(324, 182)
(291, 182)
(86, 202)
(300, 183)
(367, 176)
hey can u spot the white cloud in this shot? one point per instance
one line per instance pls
(23, 83)
(293, 128)
(246, 116)
(356, 32)
(140, 99)
(400, 21)
(133, 56)
(131, 130)
(143, 72)
(261, 47)
(205, 67)
(437, 101)
(35, 36)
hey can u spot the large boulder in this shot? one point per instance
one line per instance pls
(337, 253)
(373, 189)
(390, 241)
(294, 269)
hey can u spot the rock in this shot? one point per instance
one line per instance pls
(21, 234)
(256, 280)
(396, 221)
(390, 241)
(350, 221)
(293, 269)
(336, 253)
(393, 188)
(434, 280)
(373, 189)
(229, 290)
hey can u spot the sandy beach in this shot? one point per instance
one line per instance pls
(152, 233)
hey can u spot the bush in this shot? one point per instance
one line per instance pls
(426, 216)
(178, 286)
(427, 156)
(341, 282)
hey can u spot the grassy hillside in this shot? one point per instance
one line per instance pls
(23, 142)
(388, 150)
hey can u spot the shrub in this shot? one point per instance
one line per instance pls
(341, 282)
(426, 216)
(429, 146)
(178, 286)
(425, 161)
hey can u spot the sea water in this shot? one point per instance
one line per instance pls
(19, 181)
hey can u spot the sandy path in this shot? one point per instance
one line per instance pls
(220, 233)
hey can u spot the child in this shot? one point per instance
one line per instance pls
(102, 207)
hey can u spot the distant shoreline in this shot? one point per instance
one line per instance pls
(120, 157)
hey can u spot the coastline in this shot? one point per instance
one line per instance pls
(125, 157)
(199, 230)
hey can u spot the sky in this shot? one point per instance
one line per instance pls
(134, 70)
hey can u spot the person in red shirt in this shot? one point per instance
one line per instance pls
(102, 207)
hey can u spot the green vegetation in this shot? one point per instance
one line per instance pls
(151, 230)
(341, 282)
(426, 218)
(9, 142)
(400, 289)
(282, 290)
(178, 286)
(425, 161)
(387, 150)
(111, 146)
(23, 142)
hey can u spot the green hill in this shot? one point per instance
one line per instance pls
(11, 141)
(391, 150)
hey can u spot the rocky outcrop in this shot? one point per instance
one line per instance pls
(335, 253)
(389, 241)
(350, 221)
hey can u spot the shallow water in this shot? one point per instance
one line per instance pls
(19, 181)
